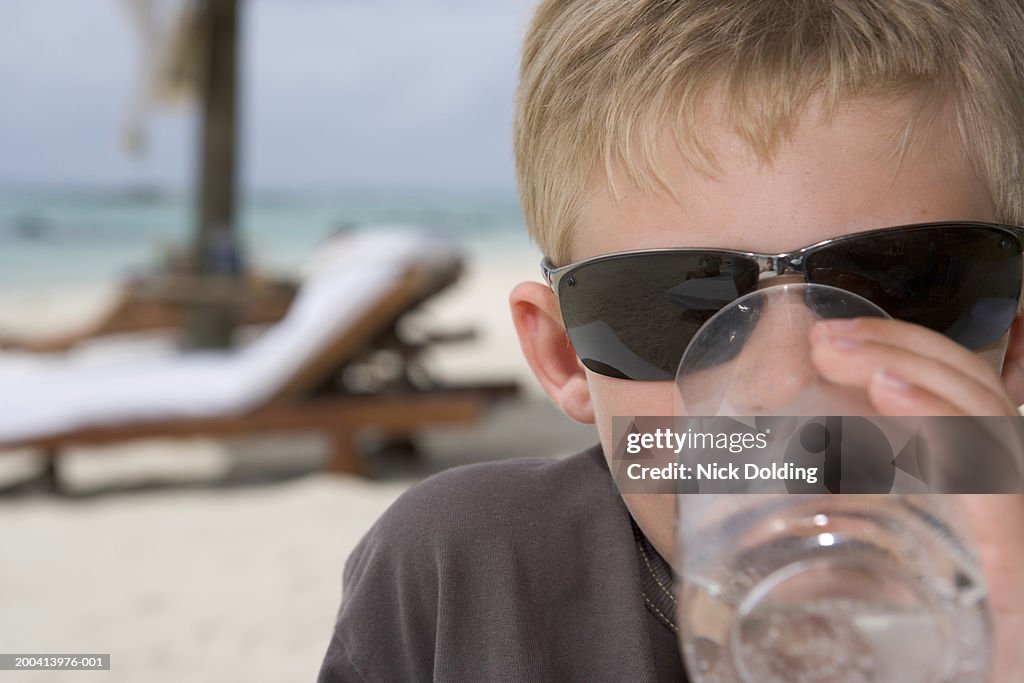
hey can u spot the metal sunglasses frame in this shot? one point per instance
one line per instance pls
(771, 265)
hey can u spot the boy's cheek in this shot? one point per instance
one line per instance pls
(995, 354)
(612, 397)
(655, 514)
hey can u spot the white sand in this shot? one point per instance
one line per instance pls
(216, 585)
(204, 561)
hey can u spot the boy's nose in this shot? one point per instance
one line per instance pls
(774, 366)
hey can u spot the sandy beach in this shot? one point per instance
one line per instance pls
(221, 561)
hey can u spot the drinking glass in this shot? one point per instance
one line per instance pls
(813, 588)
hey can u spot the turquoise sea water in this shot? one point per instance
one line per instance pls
(64, 238)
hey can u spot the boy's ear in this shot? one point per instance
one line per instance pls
(1013, 363)
(546, 346)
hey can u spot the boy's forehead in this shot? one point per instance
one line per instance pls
(833, 175)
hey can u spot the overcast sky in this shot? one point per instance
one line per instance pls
(336, 93)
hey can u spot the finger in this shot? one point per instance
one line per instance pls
(907, 379)
(910, 337)
(891, 395)
(997, 523)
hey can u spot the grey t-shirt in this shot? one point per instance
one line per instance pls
(521, 570)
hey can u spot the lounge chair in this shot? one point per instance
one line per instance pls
(312, 371)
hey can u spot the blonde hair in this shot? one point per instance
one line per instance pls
(600, 79)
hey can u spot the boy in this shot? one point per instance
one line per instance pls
(744, 125)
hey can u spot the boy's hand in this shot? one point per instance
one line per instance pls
(907, 369)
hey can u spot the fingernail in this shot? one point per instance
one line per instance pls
(844, 342)
(890, 381)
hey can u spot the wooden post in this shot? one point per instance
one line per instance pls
(210, 324)
(344, 456)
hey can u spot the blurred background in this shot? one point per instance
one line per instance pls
(254, 265)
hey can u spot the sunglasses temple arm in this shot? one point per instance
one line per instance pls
(546, 271)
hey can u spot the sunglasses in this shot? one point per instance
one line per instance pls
(631, 315)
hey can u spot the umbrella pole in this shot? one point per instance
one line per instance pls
(209, 324)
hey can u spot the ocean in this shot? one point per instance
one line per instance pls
(61, 238)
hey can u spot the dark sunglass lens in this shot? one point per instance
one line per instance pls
(962, 281)
(632, 316)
